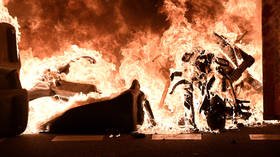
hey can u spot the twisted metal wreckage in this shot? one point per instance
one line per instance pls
(52, 83)
(213, 105)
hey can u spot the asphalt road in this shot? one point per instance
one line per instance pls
(249, 142)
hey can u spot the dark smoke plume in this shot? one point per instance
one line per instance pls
(106, 25)
(207, 9)
(47, 26)
(202, 13)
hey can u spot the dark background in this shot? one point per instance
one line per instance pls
(271, 58)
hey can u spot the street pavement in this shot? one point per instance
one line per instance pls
(258, 141)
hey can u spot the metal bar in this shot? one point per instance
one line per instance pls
(78, 138)
(260, 137)
(177, 137)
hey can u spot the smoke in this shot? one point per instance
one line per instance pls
(207, 9)
(238, 16)
(48, 26)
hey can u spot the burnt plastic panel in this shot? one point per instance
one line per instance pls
(13, 99)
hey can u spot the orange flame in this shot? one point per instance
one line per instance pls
(150, 59)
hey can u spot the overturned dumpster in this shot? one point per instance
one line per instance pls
(122, 113)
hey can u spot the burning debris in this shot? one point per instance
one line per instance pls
(205, 68)
(216, 108)
(53, 83)
(222, 83)
(122, 113)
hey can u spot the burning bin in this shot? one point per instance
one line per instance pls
(13, 99)
(119, 114)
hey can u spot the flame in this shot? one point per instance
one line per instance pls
(151, 58)
(5, 17)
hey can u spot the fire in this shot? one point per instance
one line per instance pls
(7, 18)
(151, 59)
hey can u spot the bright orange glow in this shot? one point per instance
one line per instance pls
(151, 59)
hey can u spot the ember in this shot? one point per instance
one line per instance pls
(210, 48)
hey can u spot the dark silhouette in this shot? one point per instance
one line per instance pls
(122, 113)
